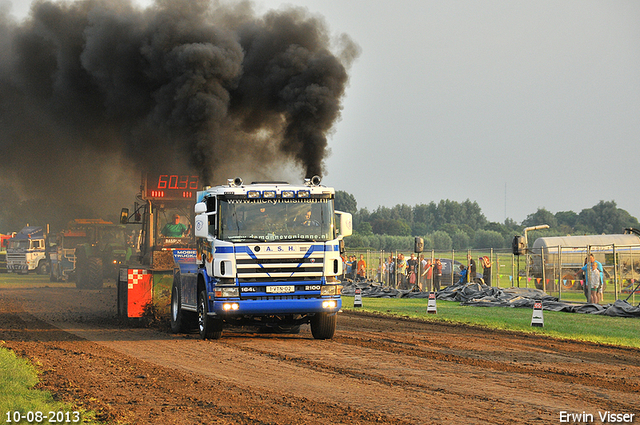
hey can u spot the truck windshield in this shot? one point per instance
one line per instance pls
(111, 235)
(71, 242)
(19, 244)
(276, 220)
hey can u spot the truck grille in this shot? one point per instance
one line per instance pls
(280, 269)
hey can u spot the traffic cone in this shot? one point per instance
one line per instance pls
(431, 305)
(357, 299)
(537, 319)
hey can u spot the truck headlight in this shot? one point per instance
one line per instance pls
(230, 306)
(331, 290)
(226, 292)
(329, 304)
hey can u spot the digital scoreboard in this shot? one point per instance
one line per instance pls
(170, 187)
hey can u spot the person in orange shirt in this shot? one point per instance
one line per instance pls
(362, 268)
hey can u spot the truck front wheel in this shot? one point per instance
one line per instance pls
(43, 267)
(208, 327)
(323, 326)
(181, 321)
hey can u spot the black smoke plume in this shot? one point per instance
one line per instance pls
(94, 92)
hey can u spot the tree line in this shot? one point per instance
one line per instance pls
(455, 225)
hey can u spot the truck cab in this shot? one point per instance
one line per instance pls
(26, 251)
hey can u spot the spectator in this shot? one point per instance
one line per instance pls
(382, 267)
(361, 268)
(437, 276)
(401, 272)
(471, 269)
(412, 271)
(594, 273)
(391, 271)
(583, 280)
(486, 270)
(595, 283)
(463, 275)
(354, 267)
(427, 273)
(349, 267)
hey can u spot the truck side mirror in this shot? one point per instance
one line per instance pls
(201, 228)
(346, 223)
(124, 215)
(200, 208)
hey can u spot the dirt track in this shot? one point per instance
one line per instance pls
(376, 370)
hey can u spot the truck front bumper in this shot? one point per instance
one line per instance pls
(259, 307)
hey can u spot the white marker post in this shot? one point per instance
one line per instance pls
(537, 319)
(431, 305)
(357, 298)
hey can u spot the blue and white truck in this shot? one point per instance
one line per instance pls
(26, 251)
(268, 255)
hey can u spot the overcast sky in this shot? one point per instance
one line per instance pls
(516, 105)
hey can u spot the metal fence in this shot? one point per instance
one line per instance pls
(557, 269)
(559, 277)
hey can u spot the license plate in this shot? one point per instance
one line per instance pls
(284, 289)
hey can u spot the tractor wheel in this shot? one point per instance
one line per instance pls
(52, 275)
(208, 327)
(94, 273)
(81, 273)
(323, 326)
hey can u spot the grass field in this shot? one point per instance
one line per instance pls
(12, 280)
(586, 327)
(17, 378)
(19, 398)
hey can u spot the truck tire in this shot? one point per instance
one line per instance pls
(94, 273)
(181, 321)
(323, 326)
(42, 267)
(208, 327)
